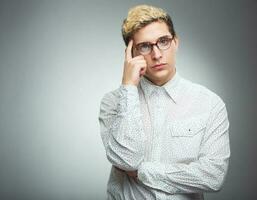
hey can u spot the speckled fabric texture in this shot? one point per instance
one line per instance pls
(175, 135)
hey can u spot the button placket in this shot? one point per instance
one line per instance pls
(158, 124)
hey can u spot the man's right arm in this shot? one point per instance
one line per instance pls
(120, 117)
(122, 128)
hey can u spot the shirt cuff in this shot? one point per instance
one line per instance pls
(129, 89)
(129, 98)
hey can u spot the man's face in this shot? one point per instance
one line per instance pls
(160, 63)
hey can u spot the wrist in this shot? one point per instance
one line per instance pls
(124, 82)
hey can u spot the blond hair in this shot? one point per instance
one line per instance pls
(142, 15)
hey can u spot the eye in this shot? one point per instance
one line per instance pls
(163, 41)
(144, 47)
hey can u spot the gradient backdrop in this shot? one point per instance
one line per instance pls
(58, 58)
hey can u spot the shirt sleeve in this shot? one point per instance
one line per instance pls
(122, 128)
(204, 175)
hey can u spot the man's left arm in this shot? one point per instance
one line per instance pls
(205, 174)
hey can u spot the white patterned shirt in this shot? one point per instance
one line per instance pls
(175, 135)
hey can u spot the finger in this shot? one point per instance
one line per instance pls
(142, 72)
(121, 170)
(132, 174)
(128, 50)
(138, 62)
(140, 57)
(140, 65)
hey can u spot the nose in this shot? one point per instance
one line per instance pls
(156, 53)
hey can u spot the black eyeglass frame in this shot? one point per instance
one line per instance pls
(170, 37)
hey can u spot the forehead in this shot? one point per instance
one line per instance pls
(151, 32)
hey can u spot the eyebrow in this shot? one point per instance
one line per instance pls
(156, 40)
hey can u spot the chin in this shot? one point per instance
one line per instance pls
(159, 76)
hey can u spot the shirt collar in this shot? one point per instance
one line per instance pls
(171, 87)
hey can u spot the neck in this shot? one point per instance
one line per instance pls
(161, 82)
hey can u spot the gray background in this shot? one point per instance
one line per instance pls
(58, 58)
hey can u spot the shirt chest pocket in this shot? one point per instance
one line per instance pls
(188, 127)
(185, 138)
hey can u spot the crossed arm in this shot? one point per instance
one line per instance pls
(123, 138)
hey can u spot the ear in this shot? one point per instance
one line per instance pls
(176, 42)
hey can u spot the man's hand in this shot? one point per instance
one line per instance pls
(132, 174)
(134, 68)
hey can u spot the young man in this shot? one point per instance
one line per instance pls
(166, 137)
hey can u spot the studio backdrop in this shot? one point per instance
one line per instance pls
(58, 59)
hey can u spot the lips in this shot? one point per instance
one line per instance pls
(159, 66)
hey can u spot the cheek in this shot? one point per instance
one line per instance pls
(170, 57)
(148, 63)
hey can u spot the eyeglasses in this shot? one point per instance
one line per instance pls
(163, 43)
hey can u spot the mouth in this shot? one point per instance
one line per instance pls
(159, 66)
